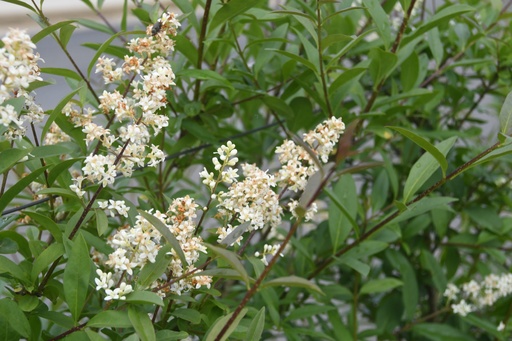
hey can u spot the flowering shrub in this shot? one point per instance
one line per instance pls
(259, 170)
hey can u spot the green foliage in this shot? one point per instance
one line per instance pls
(415, 196)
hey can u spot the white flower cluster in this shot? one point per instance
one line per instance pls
(134, 247)
(253, 200)
(114, 206)
(474, 295)
(18, 68)
(105, 282)
(128, 147)
(268, 250)
(55, 135)
(226, 172)
(181, 215)
(298, 164)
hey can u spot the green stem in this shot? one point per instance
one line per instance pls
(320, 58)
(200, 49)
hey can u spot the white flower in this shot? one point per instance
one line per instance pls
(104, 281)
(462, 308)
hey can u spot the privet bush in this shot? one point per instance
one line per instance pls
(246, 169)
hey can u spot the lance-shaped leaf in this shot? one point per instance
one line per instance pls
(381, 20)
(10, 157)
(293, 281)
(76, 276)
(236, 233)
(229, 10)
(144, 297)
(506, 115)
(423, 169)
(232, 259)
(420, 141)
(6, 198)
(142, 324)
(219, 324)
(110, 319)
(152, 271)
(380, 285)
(164, 230)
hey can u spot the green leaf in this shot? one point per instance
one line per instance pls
(61, 72)
(308, 310)
(21, 3)
(382, 63)
(93, 25)
(306, 20)
(11, 193)
(380, 285)
(170, 335)
(410, 291)
(216, 328)
(62, 192)
(236, 233)
(506, 115)
(57, 111)
(335, 59)
(342, 210)
(142, 324)
(47, 257)
(46, 224)
(221, 273)
(366, 249)
(381, 20)
(50, 29)
(230, 10)
(76, 276)
(10, 157)
(431, 265)
(105, 45)
(357, 265)
(13, 269)
(144, 297)
(278, 105)
(152, 271)
(334, 39)
(298, 59)
(7, 245)
(420, 141)
(424, 168)
(232, 259)
(12, 314)
(440, 332)
(410, 72)
(435, 45)
(256, 327)
(191, 315)
(51, 150)
(60, 167)
(110, 319)
(345, 77)
(484, 324)
(440, 17)
(293, 281)
(101, 221)
(164, 230)
(422, 206)
(65, 34)
(205, 75)
(58, 318)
